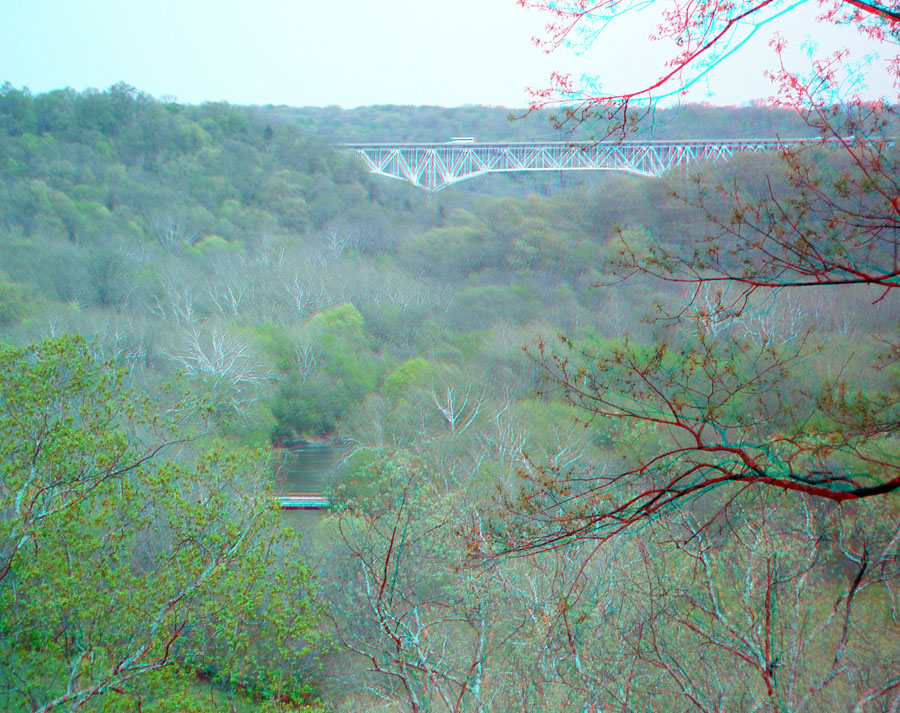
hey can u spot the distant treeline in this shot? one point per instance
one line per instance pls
(431, 123)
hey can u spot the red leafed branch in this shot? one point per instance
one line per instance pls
(702, 33)
(708, 414)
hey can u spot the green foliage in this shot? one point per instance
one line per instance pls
(343, 322)
(311, 399)
(340, 334)
(478, 307)
(236, 244)
(118, 566)
(544, 419)
(456, 348)
(454, 252)
(359, 476)
(12, 302)
(411, 374)
(277, 343)
(210, 245)
(311, 406)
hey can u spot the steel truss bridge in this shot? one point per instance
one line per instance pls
(435, 166)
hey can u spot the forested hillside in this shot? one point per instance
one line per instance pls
(486, 365)
(436, 124)
(273, 268)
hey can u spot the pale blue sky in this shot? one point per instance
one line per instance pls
(350, 53)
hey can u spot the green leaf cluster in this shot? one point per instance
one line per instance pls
(119, 568)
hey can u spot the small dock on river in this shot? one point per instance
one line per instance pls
(303, 501)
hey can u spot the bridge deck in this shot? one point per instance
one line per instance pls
(434, 166)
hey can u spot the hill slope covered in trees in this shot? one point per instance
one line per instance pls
(291, 294)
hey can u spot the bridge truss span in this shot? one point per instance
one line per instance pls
(435, 166)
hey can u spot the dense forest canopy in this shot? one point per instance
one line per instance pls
(427, 124)
(179, 284)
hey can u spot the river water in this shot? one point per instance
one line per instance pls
(310, 468)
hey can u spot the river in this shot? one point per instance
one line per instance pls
(309, 468)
